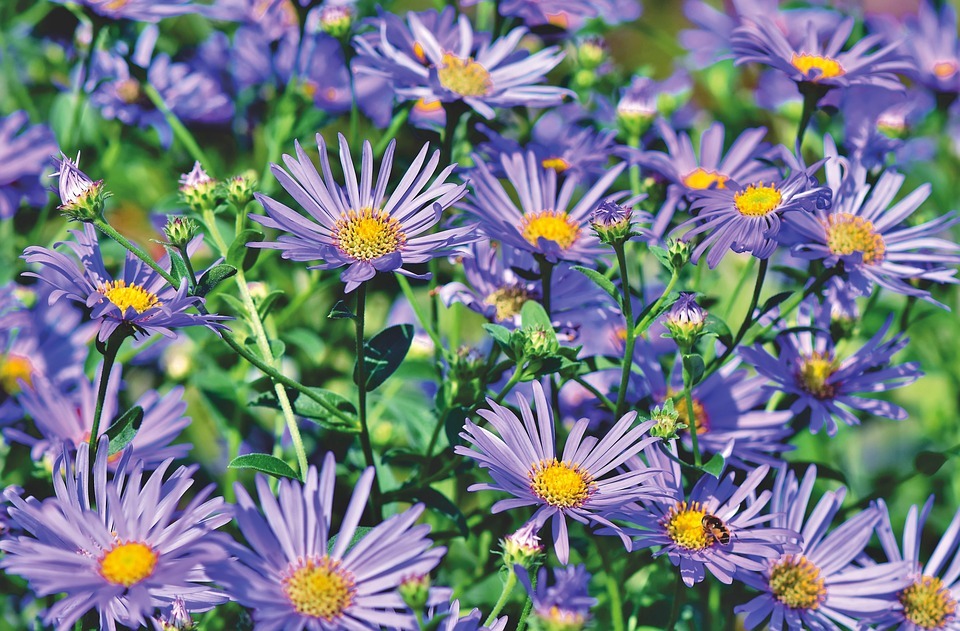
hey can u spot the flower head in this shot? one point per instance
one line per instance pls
(358, 226)
(930, 40)
(523, 462)
(125, 550)
(297, 573)
(563, 606)
(139, 300)
(820, 586)
(809, 368)
(80, 197)
(685, 319)
(24, 151)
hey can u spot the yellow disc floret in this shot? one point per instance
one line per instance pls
(125, 296)
(684, 524)
(128, 563)
(553, 225)
(796, 582)
(557, 164)
(462, 76)
(508, 301)
(928, 603)
(561, 484)
(816, 67)
(847, 234)
(368, 234)
(702, 179)
(757, 200)
(13, 370)
(320, 588)
(815, 370)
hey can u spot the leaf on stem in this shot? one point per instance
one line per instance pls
(124, 429)
(213, 277)
(600, 281)
(384, 353)
(265, 463)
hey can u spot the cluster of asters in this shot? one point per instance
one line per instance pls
(121, 535)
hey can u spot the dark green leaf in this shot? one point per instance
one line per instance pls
(662, 255)
(123, 430)
(439, 502)
(403, 457)
(773, 301)
(714, 466)
(715, 326)
(239, 254)
(693, 365)
(526, 274)
(337, 407)
(277, 348)
(265, 304)
(453, 423)
(929, 462)
(178, 269)
(341, 311)
(499, 333)
(601, 281)
(384, 353)
(213, 277)
(533, 314)
(358, 534)
(264, 463)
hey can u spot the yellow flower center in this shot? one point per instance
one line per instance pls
(419, 53)
(945, 69)
(684, 524)
(701, 179)
(848, 233)
(928, 604)
(508, 301)
(368, 234)
(464, 76)
(553, 225)
(796, 582)
(124, 296)
(814, 372)
(561, 484)
(557, 164)
(426, 106)
(816, 67)
(13, 369)
(757, 200)
(129, 91)
(683, 415)
(320, 588)
(128, 563)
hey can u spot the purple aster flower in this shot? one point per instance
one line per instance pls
(451, 620)
(878, 122)
(809, 368)
(567, 603)
(930, 600)
(140, 300)
(820, 586)
(718, 528)
(481, 74)
(644, 100)
(864, 232)
(747, 218)
(66, 418)
(127, 552)
(140, 10)
(523, 462)
(930, 40)
(543, 223)
(24, 152)
(357, 225)
(817, 63)
(293, 550)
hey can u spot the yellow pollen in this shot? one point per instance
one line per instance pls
(508, 301)
(561, 484)
(928, 604)
(945, 69)
(129, 91)
(816, 67)
(553, 225)
(368, 234)
(14, 369)
(128, 563)
(757, 200)
(684, 524)
(847, 234)
(419, 53)
(561, 20)
(426, 106)
(699, 412)
(796, 582)
(465, 77)
(124, 296)
(701, 179)
(320, 588)
(557, 164)
(814, 372)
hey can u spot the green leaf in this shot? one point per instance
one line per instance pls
(277, 348)
(715, 326)
(265, 463)
(384, 353)
(358, 534)
(662, 255)
(693, 365)
(336, 406)
(773, 301)
(499, 333)
(341, 311)
(601, 281)
(533, 314)
(453, 423)
(265, 305)
(123, 430)
(929, 462)
(714, 466)
(178, 269)
(241, 255)
(440, 503)
(213, 277)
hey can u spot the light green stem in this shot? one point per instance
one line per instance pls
(365, 443)
(179, 130)
(421, 317)
(109, 357)
(631, 332)
(691, 412)
(655, 309)
(508, 586)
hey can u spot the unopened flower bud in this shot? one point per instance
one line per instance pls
(612, 222)
(198, 189)
(635, 115)
(336, 20)
(685, 319)
(522, 548)
(239, 189)
(81, 199)
(415, 591)
(538, 341)
(559, 619)
(668, 421)
(180, 230)
(178, 619)
(591, 53)
(679, 252)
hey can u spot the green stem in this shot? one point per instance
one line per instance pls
(812, 93)
(111, 232)
(610, 405)
(675, 607)
(546, 281)
(528, 606)
(691, 413)
(508, 586)
(109, 352)
(417, 310)
(179, 130)
(747, 318)
(631, 333)
(613, 592)
(86, 63)
(362, 399)
(395, 124)
(634, 141)
(514, 380)
(655, 309)
(191, 275)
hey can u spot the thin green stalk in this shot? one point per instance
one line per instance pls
(421, 317)
(508, 586)
(631, 333)
(546, 283)
(179, 130)
(613, 592)
(109, 352)
(507, 387)
(691, 414)
(812, 93)
(98, 33)
(675, 607)
(738, 288)
(634, 141)
(375, 500)
(748, 318)
(655, 309)
(395, 124)
(527, 606)
(610, 405)
(191, 275)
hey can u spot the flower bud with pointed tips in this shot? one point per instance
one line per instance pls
(415, 591)
(180, 230)
(612, 222)
(198, 189)
(81, 199)
(522, 548)
(685, 320)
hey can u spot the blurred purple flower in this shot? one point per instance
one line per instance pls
(24, 152)
(564, 605)
(140, 10)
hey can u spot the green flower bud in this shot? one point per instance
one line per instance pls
(336, 20)
(81, 199)
(668, 421)
(538, 341)
(522, 548)
(679, 252)
(198, 190)
(415, 591)
(685, 320)
(591, 53)
(612, 222)
(239, 189)
(180, 230)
